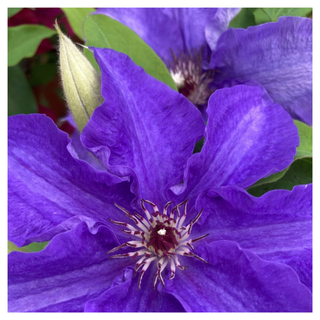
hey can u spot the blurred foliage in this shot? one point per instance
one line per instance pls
(24, 40)
(20, 95)
(44, 70)
(76, 18)
(264, 15)
(13, 11)
(305, 146)
(254, 16)
(243, 19)
(32, 247)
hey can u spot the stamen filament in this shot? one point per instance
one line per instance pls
(162, 237)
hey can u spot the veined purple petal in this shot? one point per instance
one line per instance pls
(155, 28)
(247, 137)
(49, 191)
(124, 296)
(216, 26)
(237, 280)
(277, 226)
(191, 23)
(71, 270)
(277, 55)
(143, 128)
(77, 149)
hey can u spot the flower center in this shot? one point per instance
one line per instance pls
(162, 232)
(163, 240)
(191, 80)
(161, 237)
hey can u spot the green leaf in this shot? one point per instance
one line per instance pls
(263, 15)
(243, 19)
(272, 178)
(104, 32)
(32, 247)
(13, 11)
(24, 40)
(305, 135)
(299, 172)
(20, 95)
(304, 151)
(90, 56)
(76, 17)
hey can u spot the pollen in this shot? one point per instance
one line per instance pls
(160, 238)
(178, 79)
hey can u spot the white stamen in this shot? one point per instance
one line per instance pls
(178, 79)
(162, 232)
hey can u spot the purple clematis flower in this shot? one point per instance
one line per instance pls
(143, 136)
(179, 37)
(277, 56)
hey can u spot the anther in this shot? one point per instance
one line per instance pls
(162, 232)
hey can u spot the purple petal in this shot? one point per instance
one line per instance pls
(124, 296)
(276, 226)
(277, 55)
(49, 190)
(143, 128)
(71, 270)
(237, 280)
(155, 28)
(80, 152)
(175, 29)
(219, 24)
(192, 23)
(247, 137)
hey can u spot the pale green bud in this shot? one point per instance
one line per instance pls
(81, 82)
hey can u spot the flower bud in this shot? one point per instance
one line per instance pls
(81, 82)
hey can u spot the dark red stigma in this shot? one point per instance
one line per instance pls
(162, 242)
(188, 88)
